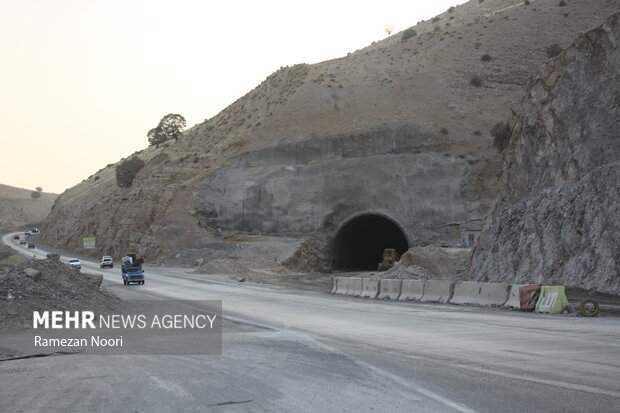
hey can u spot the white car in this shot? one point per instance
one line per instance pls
(74, 262)
(106, 261)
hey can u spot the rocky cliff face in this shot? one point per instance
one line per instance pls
(396, 129)
(557, 218)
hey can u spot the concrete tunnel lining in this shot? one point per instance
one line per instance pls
(360, 241)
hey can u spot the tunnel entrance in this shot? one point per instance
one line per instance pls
(359, 244)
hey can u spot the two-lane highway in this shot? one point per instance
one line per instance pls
(316, 352)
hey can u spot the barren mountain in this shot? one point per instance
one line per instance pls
(393, 137)
(556, 220)
(18, 208)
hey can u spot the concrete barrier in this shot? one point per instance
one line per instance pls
(389, 289)
(355, 287)
(334, 285)
(437, 291)
(552, 299)
(342, 285)
(411, 290)
(514, 300)
(370, 288)
(480, 293)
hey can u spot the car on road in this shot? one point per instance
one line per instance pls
(15, 236)
(22, 242)
(74, 262)
(34, 230)
(31, 245)
(106, 261)
(27, 233)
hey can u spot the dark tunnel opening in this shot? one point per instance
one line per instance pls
(359, 244)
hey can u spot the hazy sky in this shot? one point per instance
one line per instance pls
(82, 81)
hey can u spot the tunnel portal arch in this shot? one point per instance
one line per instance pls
(359, 242)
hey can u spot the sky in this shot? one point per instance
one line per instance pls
(83, 81)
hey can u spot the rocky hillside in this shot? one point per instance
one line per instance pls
(557, 219)
(399, 128)
(18, 208)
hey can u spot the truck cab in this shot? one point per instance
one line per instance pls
(131, 269)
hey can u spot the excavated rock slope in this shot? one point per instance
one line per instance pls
(396, 128)
(557, 219)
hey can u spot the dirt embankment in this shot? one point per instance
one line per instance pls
(31, 285)
(18, 208)
(432, 262)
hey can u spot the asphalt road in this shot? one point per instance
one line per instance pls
(305, 351)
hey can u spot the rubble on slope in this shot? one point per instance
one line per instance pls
(431, 262)
(47, 285)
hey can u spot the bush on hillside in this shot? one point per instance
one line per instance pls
(127, 170)
(408, 34)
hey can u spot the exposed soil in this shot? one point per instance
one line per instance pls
(32, 285)
(432, 262)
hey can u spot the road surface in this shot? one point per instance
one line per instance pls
(307, 351)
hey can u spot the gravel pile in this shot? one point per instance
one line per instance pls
(431, 262)
(48, 285)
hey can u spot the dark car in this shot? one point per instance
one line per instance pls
(31, 245)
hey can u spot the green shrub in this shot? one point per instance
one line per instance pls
(435, 19)
(451, 9)
(562, 4)
(444, 131)
(409, 33)
(554, 50)
(127, 170)
(475, 80)
(501, 132)
(486, 57)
